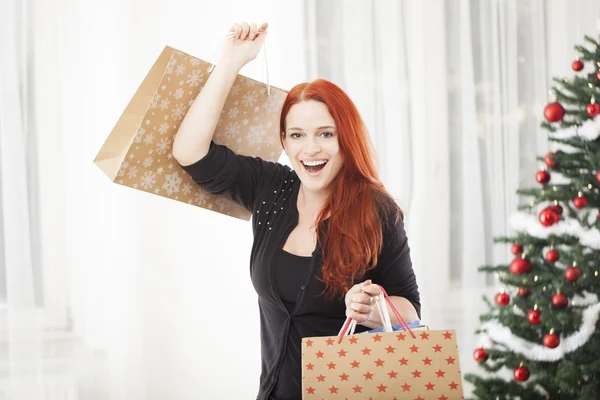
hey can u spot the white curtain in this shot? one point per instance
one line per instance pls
(21, 293)
(116, 294)
(453, 93)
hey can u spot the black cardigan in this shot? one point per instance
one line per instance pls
(270, 191)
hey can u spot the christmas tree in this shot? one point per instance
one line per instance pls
(540, 338)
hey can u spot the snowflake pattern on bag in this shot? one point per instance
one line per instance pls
(249, 125)
(391, 366)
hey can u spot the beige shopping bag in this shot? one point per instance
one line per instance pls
(415, 364)
(137, 152)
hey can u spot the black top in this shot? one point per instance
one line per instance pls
(292, 272)
(270, 191)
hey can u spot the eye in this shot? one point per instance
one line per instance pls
(295, 135)
(327, 134)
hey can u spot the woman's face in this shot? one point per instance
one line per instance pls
(311, 144)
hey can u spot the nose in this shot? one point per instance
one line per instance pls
(311, 146)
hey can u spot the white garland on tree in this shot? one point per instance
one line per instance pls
(493, 332)
(523, 222)
(589, 130)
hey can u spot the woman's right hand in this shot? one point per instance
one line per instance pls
(243, 44)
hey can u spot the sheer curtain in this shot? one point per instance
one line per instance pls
(452, 92)
(21, 295)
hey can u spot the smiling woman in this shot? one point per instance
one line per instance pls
(312, 144)
(329, 148)
(326, 232)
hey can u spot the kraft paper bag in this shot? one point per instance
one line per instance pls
(138, 151)
(414, 364)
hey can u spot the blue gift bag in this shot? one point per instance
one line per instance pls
(413, 325)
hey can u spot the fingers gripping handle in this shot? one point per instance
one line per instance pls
(381, 302)
(263, 49)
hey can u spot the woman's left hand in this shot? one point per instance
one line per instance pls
(359, 301)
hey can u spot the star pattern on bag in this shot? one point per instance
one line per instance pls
(383, 367)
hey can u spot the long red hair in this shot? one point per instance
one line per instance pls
(357, 204)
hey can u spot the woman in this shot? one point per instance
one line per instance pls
(325, 232)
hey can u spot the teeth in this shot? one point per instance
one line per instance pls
(314, 163)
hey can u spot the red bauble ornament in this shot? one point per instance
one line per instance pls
(480, 355)
(533, 316)
(580, 201)
(559, 300)
(521, 373)
(572, 273)
(577, 65)
(548, 217)
(520, 266)
(549, 161)
(554, 112)
(592, 109)
(598, 176)
(557, 208)
(598, 75)
(542, 177)
(552, 256)
(524, 292)
(502, 299)
(516, 249)
(551, 339)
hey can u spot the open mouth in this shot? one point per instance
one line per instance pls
(314, 167)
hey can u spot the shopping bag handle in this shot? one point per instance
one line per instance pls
(381, 304)
(264, 51)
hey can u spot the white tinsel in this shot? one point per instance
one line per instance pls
(589, 130)
(495, 332)
(588, 299)
(527, 223)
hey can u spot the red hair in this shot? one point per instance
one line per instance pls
(354, 236)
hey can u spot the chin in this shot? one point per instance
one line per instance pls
(315, 186)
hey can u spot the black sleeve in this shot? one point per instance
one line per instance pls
(239, 178)
(394, 269)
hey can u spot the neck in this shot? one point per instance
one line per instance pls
(312, 201)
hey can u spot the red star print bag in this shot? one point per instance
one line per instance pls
(414, 364)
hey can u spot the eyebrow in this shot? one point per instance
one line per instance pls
(319, 128)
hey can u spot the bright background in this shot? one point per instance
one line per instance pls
(111, 293)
